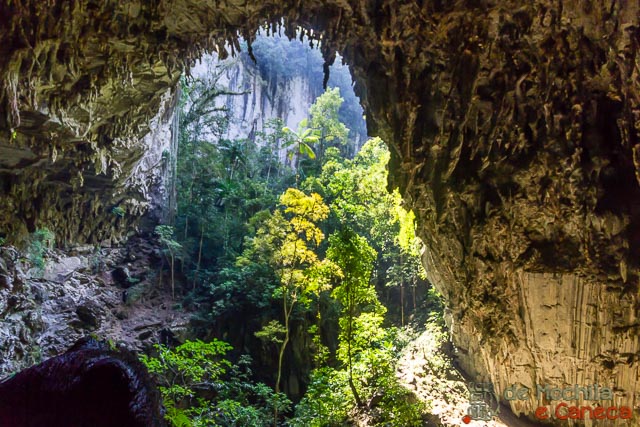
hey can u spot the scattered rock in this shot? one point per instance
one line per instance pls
(33, 321)
(41, 317)
(62, 270)
(5, 281)
(3, 267)
(12, 301)
(90, 314)
(81, 250)
(144, 335)
(147, 326)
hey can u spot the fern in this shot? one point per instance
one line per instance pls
(176, 416)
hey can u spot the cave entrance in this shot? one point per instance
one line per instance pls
(256, 131)
(252, 107)
(453, 88)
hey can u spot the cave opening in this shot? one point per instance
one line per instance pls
(259, 135)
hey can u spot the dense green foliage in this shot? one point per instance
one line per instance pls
(294, 249)
(196, 369)
(221, 185)
(285, 242)
(356, 193)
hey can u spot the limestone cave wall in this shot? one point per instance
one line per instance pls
(514, 129)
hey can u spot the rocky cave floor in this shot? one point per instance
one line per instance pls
(111, 293)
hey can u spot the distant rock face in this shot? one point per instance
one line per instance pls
(515, 136)
(254, 94)
(259, 100)
(256, 100)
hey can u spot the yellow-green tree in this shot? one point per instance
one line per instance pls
(287, 240)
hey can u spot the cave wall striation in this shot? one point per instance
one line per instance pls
(514, 130)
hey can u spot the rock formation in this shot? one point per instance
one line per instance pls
(110, 293)
(515, 135)
(90, 384)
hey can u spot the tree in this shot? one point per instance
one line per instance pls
(409, 268)
(172, 249)
(355, 258)
(366, 350)
(286, 240)
(355, 191)
(325, 122)
(274, 136)
(220, 183)
(301, 145)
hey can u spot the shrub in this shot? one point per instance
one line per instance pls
(40, 240)
(195, 369)
(327, 401)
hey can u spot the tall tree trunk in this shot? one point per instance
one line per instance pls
(233, 168)
(195, 276)
(298, 167)
(186, 225)
(283, 346)
(402, 303)
(352, 386)
(173, 293)
(318, 360)
(268, 175)
(225, 240)
(413, 289)
(352, 303)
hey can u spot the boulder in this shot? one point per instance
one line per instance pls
(63, 269)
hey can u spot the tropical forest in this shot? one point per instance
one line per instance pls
(301, 269)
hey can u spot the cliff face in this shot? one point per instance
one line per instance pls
(264, 100)
(515, 133)
(282, 83)
(256, 100)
